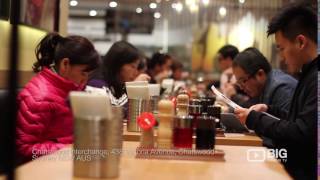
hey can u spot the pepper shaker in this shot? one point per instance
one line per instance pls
(165, 116)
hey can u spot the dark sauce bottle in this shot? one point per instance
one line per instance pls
(205, 132)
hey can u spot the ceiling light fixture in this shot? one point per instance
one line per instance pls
(157, 15)
(173, 5)
(139, 10)
(205, 2)
(190, 2)
(179, 7)
(113, 4)
(194, 8)
(93, 13)
(73, 3)
(222, 11)
(153, 5)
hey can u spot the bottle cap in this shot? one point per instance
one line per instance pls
(214, 111)
(195, 109)
(206, 122)
(205, 102)
(146, 120)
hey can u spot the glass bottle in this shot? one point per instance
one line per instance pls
(205, 132)
(182, 132)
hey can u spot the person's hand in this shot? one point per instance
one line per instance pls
(162, 75)
(259, 107)
(142, 77)
(242, 114)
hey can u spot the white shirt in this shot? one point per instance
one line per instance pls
(227, 76)
(106, 91)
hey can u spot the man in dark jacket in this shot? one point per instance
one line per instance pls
(257, 79)
(295, 29)
(266, 85)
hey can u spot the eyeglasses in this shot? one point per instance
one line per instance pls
(242, 81)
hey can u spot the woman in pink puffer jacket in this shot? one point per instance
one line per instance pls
(45, 121)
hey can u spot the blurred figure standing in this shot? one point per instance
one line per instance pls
(225, 57)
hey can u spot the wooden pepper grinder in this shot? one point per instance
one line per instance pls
(165, 114)
(182, 105)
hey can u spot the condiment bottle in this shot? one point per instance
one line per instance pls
(205, 132)
(182, 132)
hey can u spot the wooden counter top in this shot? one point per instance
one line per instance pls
(58, 166)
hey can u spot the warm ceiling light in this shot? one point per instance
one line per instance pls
(242, 1)
(222, 11)
(194, 8)
(190, 2)
(157, 15)
(173, 5)
(113, 4)
(205, 2)
(139, 10)
(153, 5)
(93, 13)
(73, 3)
(179, 6)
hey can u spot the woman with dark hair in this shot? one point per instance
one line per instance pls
(159, 67)
(45, 121)
(120, 65)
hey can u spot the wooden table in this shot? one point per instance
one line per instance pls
(229, 139)
(235, 166)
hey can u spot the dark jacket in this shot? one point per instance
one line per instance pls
(298, 132)
(278, 90)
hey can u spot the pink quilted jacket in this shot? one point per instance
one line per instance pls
(45, 122)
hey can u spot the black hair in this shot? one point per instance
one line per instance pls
(157, 59)
(228, 51)
(53, 48)
(295, 19)
(119, 54)
(251, 60)
(176, 65)
(143, 64)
